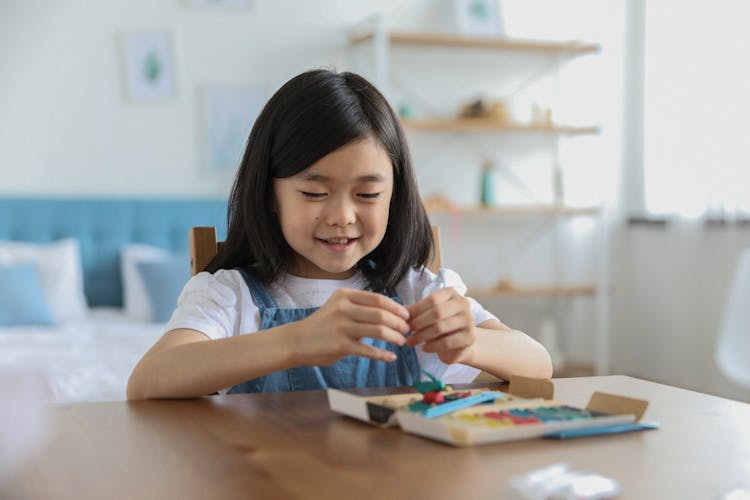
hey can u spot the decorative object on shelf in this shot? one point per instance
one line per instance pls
(487, 184)
(496, 111)
(149, 65)
(480, 18)
(541, 115)
(229, 114)
(406, 110)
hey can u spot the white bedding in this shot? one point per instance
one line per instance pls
(88, 360)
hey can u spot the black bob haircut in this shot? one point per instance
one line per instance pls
(310, 116)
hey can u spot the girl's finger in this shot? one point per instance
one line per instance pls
(439, 329)
(429, 302)
(372, 352)
(378, 316)
(442, 311)
(372, 299)
(453, 342)
(378, 332)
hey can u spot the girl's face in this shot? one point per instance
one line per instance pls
(335, 212)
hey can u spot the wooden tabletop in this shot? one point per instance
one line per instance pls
(290, 445)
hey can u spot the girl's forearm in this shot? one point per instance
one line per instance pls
(507, 352)
(198, 368)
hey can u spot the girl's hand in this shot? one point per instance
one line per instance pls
(335, 330)
(444, 322)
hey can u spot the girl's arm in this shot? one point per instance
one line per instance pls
(445, 323)
(503, 351)
(186, 363)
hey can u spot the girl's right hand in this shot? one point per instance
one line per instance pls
(336, 329)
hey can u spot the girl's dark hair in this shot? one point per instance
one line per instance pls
(310, 116)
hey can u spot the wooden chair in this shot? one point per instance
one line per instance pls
(203, 248)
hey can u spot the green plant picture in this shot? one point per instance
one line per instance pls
(149, 65)
(479, 18)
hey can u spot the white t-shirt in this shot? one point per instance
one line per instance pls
(220, 305)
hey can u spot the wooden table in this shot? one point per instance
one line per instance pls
(290, 445)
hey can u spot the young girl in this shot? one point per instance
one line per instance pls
(321, 281)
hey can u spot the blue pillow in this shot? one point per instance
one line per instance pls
(163, 281)
(22, 301)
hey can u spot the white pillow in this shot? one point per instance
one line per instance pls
(60, 274)
(134, 296)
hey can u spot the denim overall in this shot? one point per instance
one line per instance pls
(348, 372)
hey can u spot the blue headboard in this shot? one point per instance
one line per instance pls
(104, 226)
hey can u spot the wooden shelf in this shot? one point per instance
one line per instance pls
(520, 291)
(490, 125)
(570, 48)
(515, 210)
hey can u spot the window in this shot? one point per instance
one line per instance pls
(697, 108)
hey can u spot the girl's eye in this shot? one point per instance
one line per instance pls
(369, 196)
(313, 195)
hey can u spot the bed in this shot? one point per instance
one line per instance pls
(83, 322)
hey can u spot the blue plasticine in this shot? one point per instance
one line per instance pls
(483, 397)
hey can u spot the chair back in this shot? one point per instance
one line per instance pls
(203, 248)
(733, 348)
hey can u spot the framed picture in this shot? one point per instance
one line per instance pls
(149, 65)
(229, 114)
(479, 18)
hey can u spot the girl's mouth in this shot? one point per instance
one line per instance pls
(337, 243)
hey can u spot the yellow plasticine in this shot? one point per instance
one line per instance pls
(482, 420)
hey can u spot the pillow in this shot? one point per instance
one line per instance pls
(60, 274)
(164, 281)
(136, 300)
(22, 300)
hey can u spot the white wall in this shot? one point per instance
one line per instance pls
(671, 285)
(66, 125)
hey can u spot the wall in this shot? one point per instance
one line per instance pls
(66, 125)
(671, 285)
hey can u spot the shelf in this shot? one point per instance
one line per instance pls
(533, 291)
(513, 210)
(571, 48)
(490, 125)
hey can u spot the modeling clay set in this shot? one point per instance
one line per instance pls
(480, 416)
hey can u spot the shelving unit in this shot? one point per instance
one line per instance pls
(493, 126)
(518, 291)
(382, 42)
(503, 44)
(516, 211)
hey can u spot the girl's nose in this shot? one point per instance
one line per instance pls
(340, 213)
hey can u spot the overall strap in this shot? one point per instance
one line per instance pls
(261, 297)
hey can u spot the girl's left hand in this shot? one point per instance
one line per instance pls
(444, 322)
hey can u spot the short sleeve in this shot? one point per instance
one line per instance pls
(420, 284)
(213, 305)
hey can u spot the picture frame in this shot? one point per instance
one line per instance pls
(479, 18)
(228, 115)
(149, 65)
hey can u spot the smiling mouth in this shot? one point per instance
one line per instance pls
(336, 241)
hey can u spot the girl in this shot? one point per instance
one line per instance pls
(321, 280)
